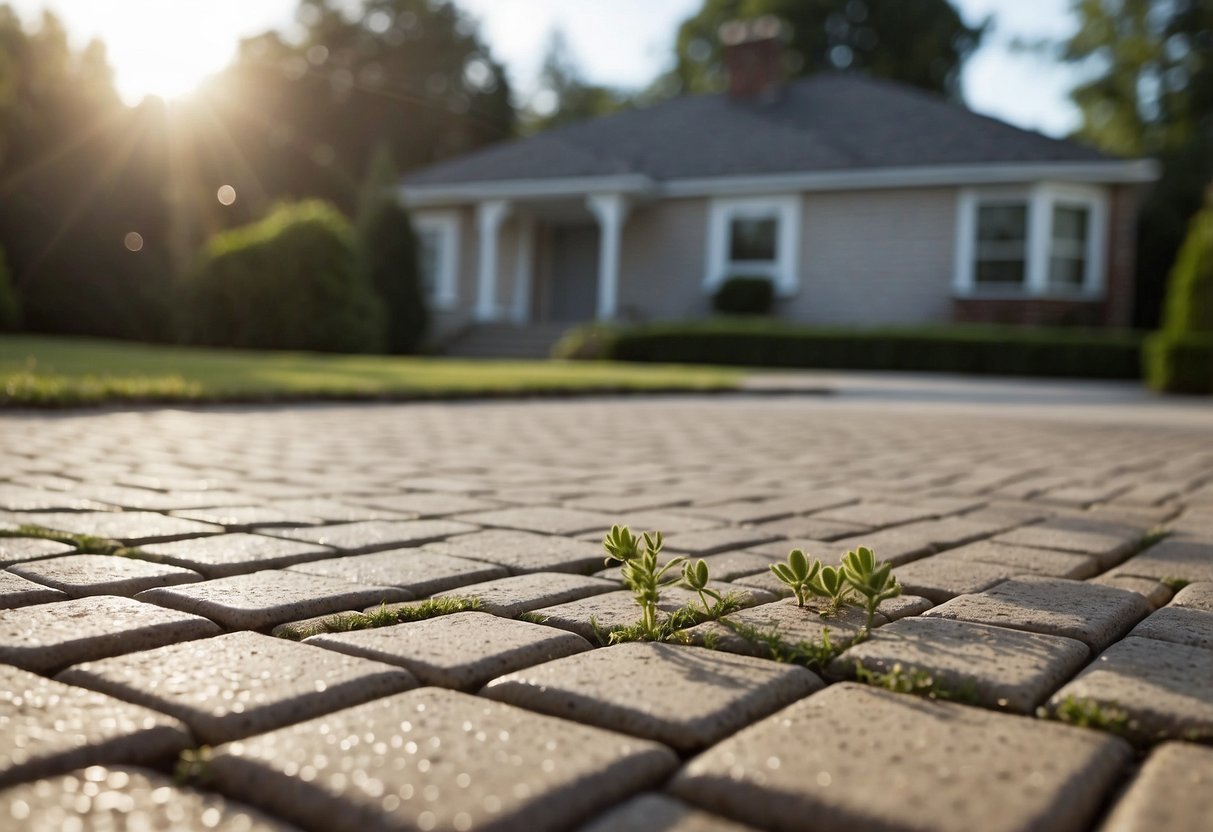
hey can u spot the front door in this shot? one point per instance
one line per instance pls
(572, 280)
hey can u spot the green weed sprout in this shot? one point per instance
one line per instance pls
(695, 576)
(797, 573)
(640, 572)
(872, 579)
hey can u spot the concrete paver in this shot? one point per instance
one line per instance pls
(415, 571)
(521, 552)
(80, 575)
(510, 597)
(239, 684)
(235, 554)
(816, 759)
(16, 591)
(435, 759)
(49, 728)
(1173, 791)
(19, 549)
(658, 813)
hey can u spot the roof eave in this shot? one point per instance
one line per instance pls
(556, 187)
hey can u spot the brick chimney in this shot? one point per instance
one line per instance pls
(753, 57)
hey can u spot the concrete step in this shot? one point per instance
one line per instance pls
(507, 341)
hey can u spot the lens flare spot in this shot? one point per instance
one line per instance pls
(226, 194)
(133, 241)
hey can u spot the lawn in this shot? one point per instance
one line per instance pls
(37, 371)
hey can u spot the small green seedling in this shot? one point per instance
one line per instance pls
(798, 573)
(640, 571)
(695, 576)
(872, 579)
(1090, 713)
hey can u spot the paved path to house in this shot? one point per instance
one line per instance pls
(1056, 549)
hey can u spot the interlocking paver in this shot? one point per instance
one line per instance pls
(747, 631)
(1105, 541)
(543, 519)
(427, 505)
(512, 596)
(940, 580)
(1162, 688)
(658, 813)
(596, 615)
(1173, 791)
(45, 637)
(811, 527)
(1173, 559)
(1094, 614)
(522, 552)
(118, 798)
(80, 575)
(684, 697)
(1181, 625)
(16, 591)
(263, 599)
(239, 684)
(416, 571)
(48, 728)
(130, 527)
(243, 518)
(435, 759)
(1154, 591)
(375, 535)
(877, 515)
(1197, 596)
(816, 759)
(20, 549)
(462, 650)
(1024, 559)
(21, 498)
(235, 554)
(993, 666)
(713, 541)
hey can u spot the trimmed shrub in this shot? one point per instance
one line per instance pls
(979, 350)
(387, 254)
(10, 306)
(289, 281)
(1179, 359)
(745, 296)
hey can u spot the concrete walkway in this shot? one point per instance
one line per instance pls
(1048, 666)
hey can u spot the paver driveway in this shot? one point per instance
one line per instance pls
(1041, 548)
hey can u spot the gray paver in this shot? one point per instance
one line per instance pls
(544, 519)
(522, 552)
(509, 597)
(243, 518)
(1105, 541)
(618, 609)
(1174, 558)
(130, 527)
(80, 575)
(239, 684)
(16, 591)
(993, 666)
(1154, 591)
(684, 697)
(427, 504)
(712, 541)
(658, 813)
(20, 549)
(1025, 559)
(45, 637)
(462, 650)
(1173, 791)
(877, 515)
(263, 599)
(435, 759)
(48, 728)
(1162, 688)
(940, 580)
(1091, 613)
(375, 535)
(816, 758)
(235, 554)
(812, 527)
(416, 571)
(117, 798)
(1178, 624)
(1197, 596)
(741, 631)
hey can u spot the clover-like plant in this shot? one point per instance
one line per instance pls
(797, 574)
(872, 579)
(695, 576)
(640, 571)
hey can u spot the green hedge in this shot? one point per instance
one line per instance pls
(290, 281)
(745, 296)
(1180, 363)
(982, 350)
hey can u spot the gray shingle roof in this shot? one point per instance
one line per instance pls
(829, 122)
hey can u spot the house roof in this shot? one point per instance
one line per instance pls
(829, 123)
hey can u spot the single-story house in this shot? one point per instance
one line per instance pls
(865, 202)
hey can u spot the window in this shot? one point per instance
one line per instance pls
(753, 237)
(1044, 241)
(437, 255)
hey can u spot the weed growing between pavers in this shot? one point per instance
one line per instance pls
(917, 682)
(1173, 583)
(813, 655)
(345, 622)
(86, 544)
(1089, 713)
(859, 579)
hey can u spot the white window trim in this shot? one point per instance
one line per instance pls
(784, 272)
(1041, 199)
(445, 291)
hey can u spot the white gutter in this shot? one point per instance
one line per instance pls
(1133, 171)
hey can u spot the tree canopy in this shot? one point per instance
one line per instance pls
(918, 42)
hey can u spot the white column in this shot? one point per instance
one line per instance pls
(611, 211)
(524, 267)
(1040, 240)
(489, 216)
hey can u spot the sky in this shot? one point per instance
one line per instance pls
(166, 46)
